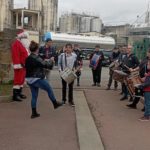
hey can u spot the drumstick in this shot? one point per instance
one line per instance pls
(127, 67)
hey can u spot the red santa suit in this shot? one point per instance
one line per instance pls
(19, 54)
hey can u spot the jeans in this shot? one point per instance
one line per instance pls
(147, 103)
(44, 85)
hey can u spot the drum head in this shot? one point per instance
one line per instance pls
(136, 85)
(120, 72)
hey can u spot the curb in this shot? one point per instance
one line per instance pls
(88, 135)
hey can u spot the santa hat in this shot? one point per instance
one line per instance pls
(22, 34)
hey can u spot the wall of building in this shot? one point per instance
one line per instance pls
(5, 14)
(49, 9)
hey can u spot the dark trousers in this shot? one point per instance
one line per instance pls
(137, 99)
(64, 91)
(125, 90)
(111, 79)
(97, 75)
(78, 74)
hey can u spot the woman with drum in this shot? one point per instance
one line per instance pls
(67, 60)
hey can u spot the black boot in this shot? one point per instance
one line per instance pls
(57, 104)
(34, 113)
(132, 106)
(16, 96)
(22, 95)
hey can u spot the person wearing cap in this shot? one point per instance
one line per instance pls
(114, 58)
(19, 52)
(96, 59)
(47, 52)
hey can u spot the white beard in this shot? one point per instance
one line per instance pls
(25, 43)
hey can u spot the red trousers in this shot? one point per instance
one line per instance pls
(19, 76)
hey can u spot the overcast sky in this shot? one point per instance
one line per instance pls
(110, 11)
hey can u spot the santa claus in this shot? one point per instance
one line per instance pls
(19, 51)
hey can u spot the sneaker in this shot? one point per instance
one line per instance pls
(35, 115)
(72, 104)
(131, 106)
(144, 118)
(57, 104)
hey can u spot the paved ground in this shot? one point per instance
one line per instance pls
(118, 126)
(56, 129)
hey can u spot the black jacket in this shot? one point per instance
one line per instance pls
(35, 66)
(131, 62)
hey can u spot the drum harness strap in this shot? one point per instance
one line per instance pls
(66, 62)
(62, 61)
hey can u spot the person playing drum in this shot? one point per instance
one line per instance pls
(130, 62)
(114, 60)
(146, 88)
(142, 68)
(67, 59)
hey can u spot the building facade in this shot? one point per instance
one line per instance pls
(49, 11)
(79, 23)
(5, 14)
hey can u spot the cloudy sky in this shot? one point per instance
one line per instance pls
(110, 11)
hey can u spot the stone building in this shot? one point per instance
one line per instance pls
(5, 14)
(49, 11)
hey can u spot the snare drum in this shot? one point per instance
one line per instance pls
(68, 75)
(132, 83)
(119, 75)
(114, 65)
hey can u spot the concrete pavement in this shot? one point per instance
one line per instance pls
(59, 130)
(54, 130)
